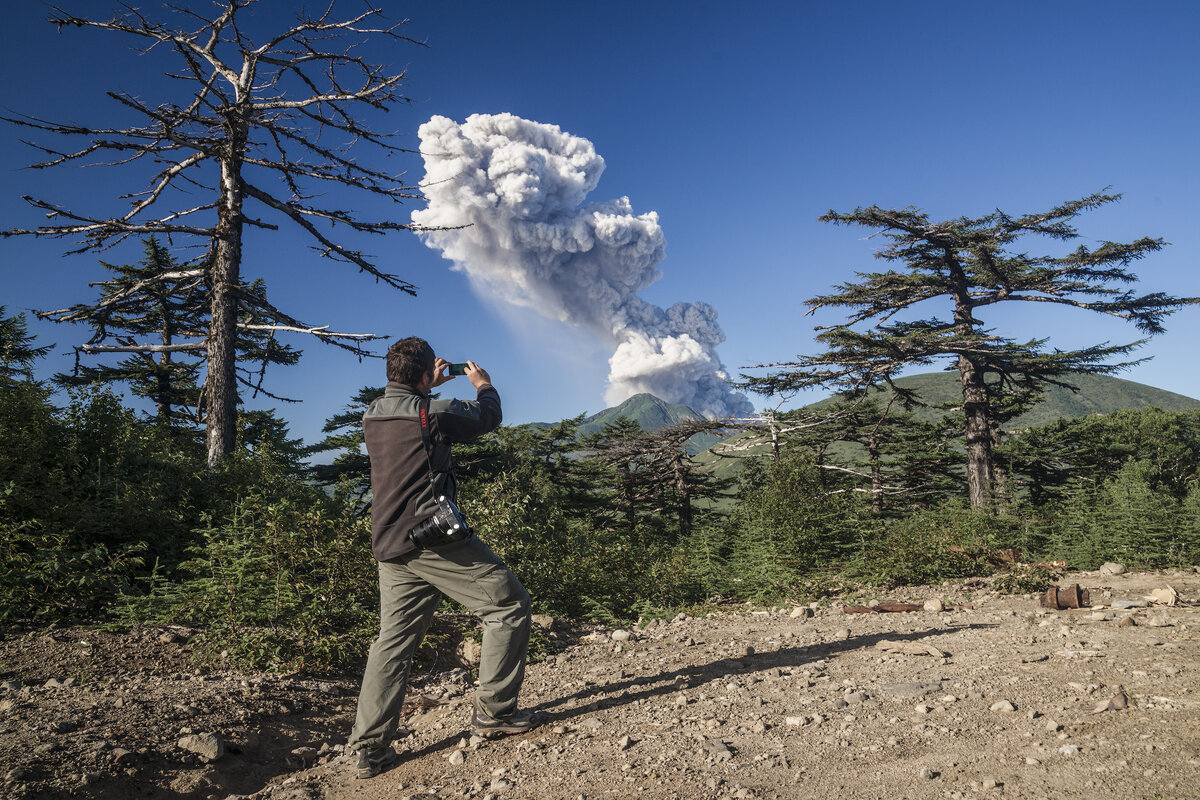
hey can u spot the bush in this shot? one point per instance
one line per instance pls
(276, 584)
(951, 541)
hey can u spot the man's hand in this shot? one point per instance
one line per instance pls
(440, 376)
(477, 375)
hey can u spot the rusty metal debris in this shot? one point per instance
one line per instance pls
(1060, 597)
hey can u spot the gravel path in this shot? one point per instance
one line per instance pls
(993, 697)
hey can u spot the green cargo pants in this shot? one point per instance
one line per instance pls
(409, 589)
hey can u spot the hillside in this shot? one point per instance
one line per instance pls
(1097, 394)
(651, 414)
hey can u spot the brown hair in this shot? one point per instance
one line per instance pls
(409, 360)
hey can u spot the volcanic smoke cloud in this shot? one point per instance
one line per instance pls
(520, 186)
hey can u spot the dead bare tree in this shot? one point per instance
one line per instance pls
(267, 122)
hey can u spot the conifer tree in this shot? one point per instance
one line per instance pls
(967, 265)
(17, 351)
(157, 314)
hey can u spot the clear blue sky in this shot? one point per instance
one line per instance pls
(739, 124)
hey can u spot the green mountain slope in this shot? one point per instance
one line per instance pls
(644, 409)
(1098, 394)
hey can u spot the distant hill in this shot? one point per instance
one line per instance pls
(651, 414)
(1098, 394)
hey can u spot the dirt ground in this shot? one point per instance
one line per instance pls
(992, 697)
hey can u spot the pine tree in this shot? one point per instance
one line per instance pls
(970, 264)
(157, 314)
(17, 352)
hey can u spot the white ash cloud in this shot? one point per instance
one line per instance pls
(533, 241)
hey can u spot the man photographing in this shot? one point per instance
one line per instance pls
(425, 549)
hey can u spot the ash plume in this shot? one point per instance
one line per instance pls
(533, 241)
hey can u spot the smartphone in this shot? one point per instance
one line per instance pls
(458, 369)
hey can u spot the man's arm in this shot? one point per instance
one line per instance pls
(464, 419)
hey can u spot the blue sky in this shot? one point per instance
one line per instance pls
(739, 124)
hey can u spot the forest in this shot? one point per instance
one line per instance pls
(112, 516)
(138, 488)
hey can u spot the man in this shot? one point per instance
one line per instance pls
(411, 578)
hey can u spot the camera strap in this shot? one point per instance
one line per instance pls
(423, 414)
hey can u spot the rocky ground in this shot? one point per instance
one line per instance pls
(992, 696)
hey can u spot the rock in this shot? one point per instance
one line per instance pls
(1127, 622)
(1157, 621)
(1069, 749)
(120, 755)
(801, 612)
(1112, 568)
(53, 683)
(620, 636)
(855, 697)
(927, 773)
(990, 783)
(934, 605)
(467, 653)
(206, 745)
(457, 758)
(500, 785)
(718, 750)
(1034, 658)
(922, 709)
(303, 756)
(328, 688)
(1032, 762)
(1003, 705)
(543, 621)
(11, 686)
(1166, 596)
(795, 721)
(1128, 602)
(624, 743)
(169, 637)
(843, 634)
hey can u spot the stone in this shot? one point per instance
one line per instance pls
(544, 621)
(1069, 749)
(934, 605)
(620, 636)
(500, 785)
(718, 750)
(855, 697)
(1127, 622)
(801, 612)
(1157, 621)
(468, 652)
(1128, 602)
(927, 773)
(205, 745)
(457, 758)
(795, 721)
(1003, 705)
(1112, 568)
(843, 634)
(1034, 658)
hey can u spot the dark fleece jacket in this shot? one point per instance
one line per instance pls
(401, 494)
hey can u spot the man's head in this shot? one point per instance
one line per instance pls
(409, 360)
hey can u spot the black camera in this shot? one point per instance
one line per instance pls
(446, 526)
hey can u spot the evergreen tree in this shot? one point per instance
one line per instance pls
(970, 264)
(350, 467)
(17, 351)
(157, 313)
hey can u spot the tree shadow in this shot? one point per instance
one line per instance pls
(630, 690)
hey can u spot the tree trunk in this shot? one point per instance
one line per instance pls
(876, 476)
(978, 433)
(683, 497)
(976, 406)
(220, 386)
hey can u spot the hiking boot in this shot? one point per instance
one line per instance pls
(372, 761)
(492, 728)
